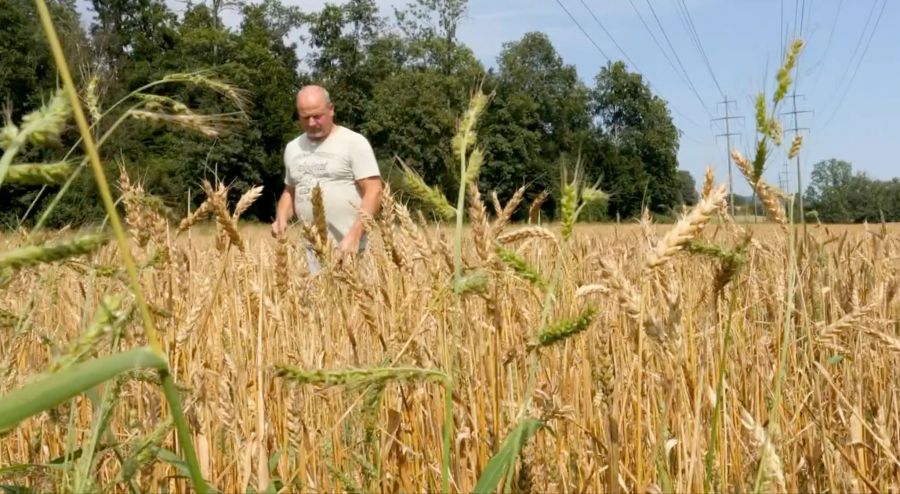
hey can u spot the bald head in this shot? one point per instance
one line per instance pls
(315, 111)
(313, 95)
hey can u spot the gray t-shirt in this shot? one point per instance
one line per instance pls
(335, 164)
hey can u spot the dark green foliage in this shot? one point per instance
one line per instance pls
(540, 113)
(639, 126)
(687, 188)
(837, 195)
(402, 80)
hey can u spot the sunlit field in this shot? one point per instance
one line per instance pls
(644, 380)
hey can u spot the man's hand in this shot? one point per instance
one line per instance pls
(278, 227)
(348, 247)
(284, 211)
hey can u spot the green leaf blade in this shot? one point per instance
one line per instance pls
(52, 390)
(500, 463)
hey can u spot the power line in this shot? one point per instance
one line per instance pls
(658, 45)
(861, 58)
(837, 14)
(781, 32)
(727, 135)
(796, 131)
(784, 177)
(692, 31)
(609, 35)
(675, 53)
(799, 35)
(586, 35)
(859, 41)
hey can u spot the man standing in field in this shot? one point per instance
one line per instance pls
(342, 163)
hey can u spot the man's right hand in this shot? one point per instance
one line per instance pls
(278, 227)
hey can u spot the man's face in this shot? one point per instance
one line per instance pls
(316, 117)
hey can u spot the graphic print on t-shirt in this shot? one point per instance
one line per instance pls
(309, 169)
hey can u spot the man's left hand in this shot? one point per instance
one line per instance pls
(348, 247)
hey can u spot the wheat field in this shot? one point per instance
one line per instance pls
(705, 356)
(744, 359)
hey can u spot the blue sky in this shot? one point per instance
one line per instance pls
(743, 41)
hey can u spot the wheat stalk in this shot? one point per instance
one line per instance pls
(708, 182)
(686, 229)
(429, 195)
(771, 471)
(247, 200)
(508, 210)
(536, 206)
(219, 206)
(528, 232)
(766, 195)
(481, 229)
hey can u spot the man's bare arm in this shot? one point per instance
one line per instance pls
(371, 189)
(284, 211)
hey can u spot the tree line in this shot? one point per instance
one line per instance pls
(837, 195)
(400, 78)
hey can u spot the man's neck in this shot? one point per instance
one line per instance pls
(323, 138)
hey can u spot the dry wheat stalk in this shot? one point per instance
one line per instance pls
(282, 267)
(586, 290)
(481, 229)
(495, 200)
(891, 343)
(205, 209)
(628, 298)
(528, 232)
(765, 192)
(772, 471)
(509, 209)
(422, 243)
(219, 205)
(247, 200)
(319, 221)
(647, 229)
(536, 206)
(829, 335)
(386, 227)
(708, 182)
(686, 229)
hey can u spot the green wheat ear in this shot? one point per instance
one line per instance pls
(473, 168)
(761, 118)
(567, 328)
(369, 376)
(39, 254)
(107, 318)
(472, 282)
(465, 133)
(784, 73)
(39, 173)
(47, 122)
(429, 195)
(568, 206)
(521, 267)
